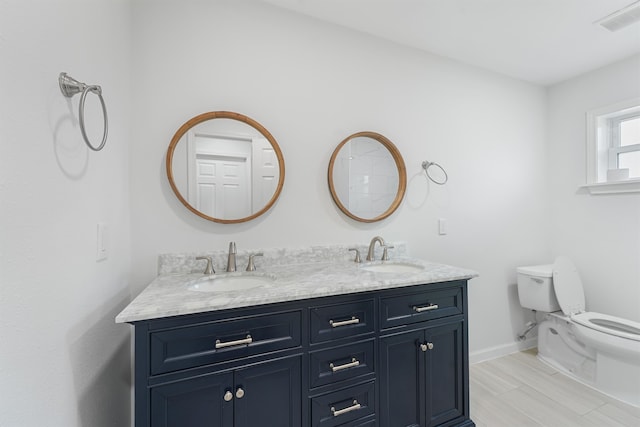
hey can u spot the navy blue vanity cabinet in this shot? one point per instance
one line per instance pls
(342, 358)
(245, 397)
(421, 380)
(388, 358)
(193, 402)
(400, 366)
(271, 394)
(423, 369)
(238, 368)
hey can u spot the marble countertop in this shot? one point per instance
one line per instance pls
(168, 295)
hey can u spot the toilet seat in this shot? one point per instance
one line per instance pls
(611, 325)
(570, 295)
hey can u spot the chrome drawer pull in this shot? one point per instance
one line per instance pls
(354, 362)
(425, 308)
(247, 340)
(353, 407)
(351, 321)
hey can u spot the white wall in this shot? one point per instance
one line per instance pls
(63, 360)
(601, 234)
(312, 84)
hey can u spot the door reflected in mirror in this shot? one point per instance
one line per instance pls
(367, 177)
(225, 167)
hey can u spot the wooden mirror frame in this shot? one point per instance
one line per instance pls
(233, 116)
(402, 176)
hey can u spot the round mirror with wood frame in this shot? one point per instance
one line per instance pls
(367, 177)
(225, 167)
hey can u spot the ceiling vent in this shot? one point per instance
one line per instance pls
(621, 18)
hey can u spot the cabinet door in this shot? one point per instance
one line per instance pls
(196, 402)
(444, 373)
(402, 365)
(271, 394)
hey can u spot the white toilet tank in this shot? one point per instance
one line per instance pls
(535, 288)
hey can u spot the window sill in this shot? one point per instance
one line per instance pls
(614, 187)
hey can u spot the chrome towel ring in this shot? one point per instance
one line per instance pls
(69, 87)
(426, 165)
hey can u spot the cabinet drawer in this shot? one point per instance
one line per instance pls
(341, 363)
(343, 406)
(421, 306)
(202, 344)
(341, 320)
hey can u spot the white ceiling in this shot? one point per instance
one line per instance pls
(540, 41)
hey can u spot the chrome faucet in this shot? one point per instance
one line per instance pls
(370, 253)
(231, 260)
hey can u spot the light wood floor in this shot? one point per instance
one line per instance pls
(519, 390)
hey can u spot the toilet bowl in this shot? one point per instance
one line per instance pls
(559, 347)
(600, 350)
(609, 333)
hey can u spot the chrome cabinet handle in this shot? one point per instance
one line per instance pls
(228, 396)
(353, 407)
(351, 321)
(426, 346)
(239, 393)
(425, 308)
(354, 362)
(247, 340)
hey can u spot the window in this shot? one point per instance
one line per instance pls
(613, 148)
(625, 144)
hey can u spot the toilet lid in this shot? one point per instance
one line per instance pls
(568, 286)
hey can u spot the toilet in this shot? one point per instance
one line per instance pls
(599, 350)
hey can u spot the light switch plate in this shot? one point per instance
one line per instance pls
(442, 226)
(102, 242)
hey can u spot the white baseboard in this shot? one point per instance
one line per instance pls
(502, 350)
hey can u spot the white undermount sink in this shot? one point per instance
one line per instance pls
(393, 267)
(231, 283)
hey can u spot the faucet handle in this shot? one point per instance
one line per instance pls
(251, 266)
(209, 270)
(358, 259)
(385, 253)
